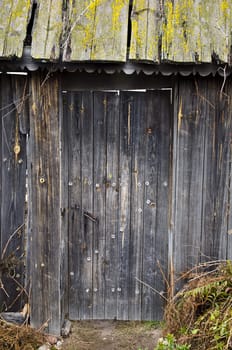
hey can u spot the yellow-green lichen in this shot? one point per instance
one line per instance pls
(117, 7)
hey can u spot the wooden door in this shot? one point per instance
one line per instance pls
(118, 147)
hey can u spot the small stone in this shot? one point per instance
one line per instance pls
(59, 344)
(52, 339)
(44, 347)
(66, 329)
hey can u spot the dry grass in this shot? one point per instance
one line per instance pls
(201, 313)
(13, 337)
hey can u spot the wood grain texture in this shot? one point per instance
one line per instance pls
(124, 215)
(117, 247)
(217, 155)
(136, 253)
(99, 200)
(190, 138)
(202, 151)
(46, 36)
(146, 30)
(97, 30)
(14, 19)
(157, 191)
(44, 183)
(73, 109)
(112, 100)
(64, 135)
(88, 226)
(196, 31)
(13, 180)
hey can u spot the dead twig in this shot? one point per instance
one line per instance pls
(153, 289)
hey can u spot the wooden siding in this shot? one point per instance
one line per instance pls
(100, 129)
(13, 99)
(44, 206)
(202, 186)
(186, 31)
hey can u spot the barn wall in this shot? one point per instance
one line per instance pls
(200, 201)
(13, 130)
(201, 219)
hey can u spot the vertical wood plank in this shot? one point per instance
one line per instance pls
(64, 210)
(14, 19)
(146, 29)
(196, 31)
(44, 164)
(97, 30)
(87, 228)
(47, 30)
(1, 106)
(110, 31)
(229, 232)
(217, 150)
(190, 139)
(13, 184)
(223, 139)
(112, 198)
(99, 261)
(75, 207)
(124, 206)
(156, 208)
(138, 114)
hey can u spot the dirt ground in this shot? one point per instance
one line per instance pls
(113, 335)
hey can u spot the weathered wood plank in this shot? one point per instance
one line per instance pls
(138, 114)
(196, 31)
(146, 30)
(156, 199)
(124, 207)
(97, 30)
(229, 214)
(189, 171)
(64, 134)
(1, 106)
(14, 19)
(74, 201)
(21, 97)
(13, 180)
(99, 261)
(44, 182)
(46, 36)
(112, 198)
(223, 140)
(216, 178)
(110, 31)
(88, 225)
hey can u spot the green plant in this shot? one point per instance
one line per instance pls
(201, 313)
(153, 324)
(170, 343)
